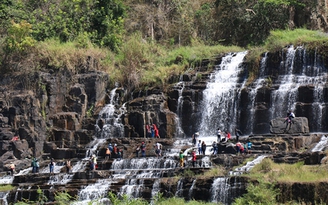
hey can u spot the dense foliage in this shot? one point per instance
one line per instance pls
(101, 20)
(173, 22)
(140, 42)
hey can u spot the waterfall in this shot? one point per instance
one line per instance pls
(3, 198)
(95, 191)
(179, 188)
(6, 179)
(219, 104)
(155, 189)
(247, 167)
(253, 92)
(132, 188)
(179, 130)
(299, 71)
(321, 145)
(109, 123)
(191, 189)
(60, 179)
(220, 190)
(284, 98)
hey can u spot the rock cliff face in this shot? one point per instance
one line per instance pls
(57, 114)
(50, 111)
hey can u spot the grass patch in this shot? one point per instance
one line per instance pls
(297, 172)
(280, 38)
(214, 172)
(189, 55)
(179, 201)
(7, 187)
(54, 54)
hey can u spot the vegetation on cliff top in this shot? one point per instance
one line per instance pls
(143, 43)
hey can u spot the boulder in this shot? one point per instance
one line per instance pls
(299, 125)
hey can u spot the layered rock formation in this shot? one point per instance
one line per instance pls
(57, 114)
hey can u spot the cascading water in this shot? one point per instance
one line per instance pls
(109, 123)
(284, 98)
(252, 94)
(191, 189)
(179, 131)
(321, 145)
(220, 190)
(220, 97)
(299, 72)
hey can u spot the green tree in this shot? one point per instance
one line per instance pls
(19, 37)
(108, 23)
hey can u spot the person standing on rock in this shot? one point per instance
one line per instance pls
(237, 133)
(51, 166)
(249, 147)
(289, 118)
(115, 150)
(215, 148)
(194, 141)
(12, 169)
(148, 131)
(158, 149)
(110, 147)
(199, 147)
(156, 131)
(137, 149)
(203, 147)
(143, 149)
(33, 165)
(194, 158)
(152, 131)
(219, 133)
(107, 154)
(181, 159)
(68, 166)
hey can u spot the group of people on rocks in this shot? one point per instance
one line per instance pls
(113, 151)
(152, 131)
(244, 148)
(222, 137)
(142, 148)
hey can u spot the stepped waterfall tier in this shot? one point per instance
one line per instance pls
(231, 96)
(288, 80)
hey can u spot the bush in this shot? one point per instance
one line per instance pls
(262, 193)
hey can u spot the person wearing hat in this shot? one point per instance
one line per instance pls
(181, 157)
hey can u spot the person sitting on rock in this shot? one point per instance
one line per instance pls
(239, 147)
